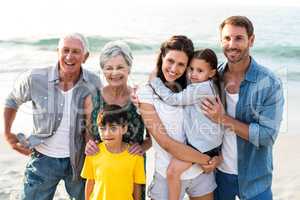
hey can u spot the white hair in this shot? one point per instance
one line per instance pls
(77, 36)
(113, 49)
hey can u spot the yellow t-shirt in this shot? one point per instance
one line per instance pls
(114, 174)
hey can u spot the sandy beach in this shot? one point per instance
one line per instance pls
(286, 182)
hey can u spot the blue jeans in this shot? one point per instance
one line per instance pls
(228, 188)
(42, 175)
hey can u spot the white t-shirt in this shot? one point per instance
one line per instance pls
(172, 119)
(57, 145)
(229, 147)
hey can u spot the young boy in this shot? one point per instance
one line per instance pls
(113, 173)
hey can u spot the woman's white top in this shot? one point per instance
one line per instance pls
(201, 133)
(172, 120)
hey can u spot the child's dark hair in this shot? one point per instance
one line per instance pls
(112, 114)
(211, 58)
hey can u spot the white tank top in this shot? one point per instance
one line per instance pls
(57, 145)
(229, 147)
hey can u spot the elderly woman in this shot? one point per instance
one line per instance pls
(116, 62)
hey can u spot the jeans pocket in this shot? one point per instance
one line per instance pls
(32, 178)
(33, 174)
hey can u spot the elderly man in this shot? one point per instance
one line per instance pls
(253, 99)
(57, 94)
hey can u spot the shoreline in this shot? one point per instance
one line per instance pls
(286, 181)
(286, 174)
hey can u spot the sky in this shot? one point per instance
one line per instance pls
(36, 17)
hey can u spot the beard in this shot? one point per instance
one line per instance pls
(235, 55)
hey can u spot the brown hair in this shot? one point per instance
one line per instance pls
(180, 43)
(240, 21)
(211, 58)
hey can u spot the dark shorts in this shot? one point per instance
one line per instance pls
(211, 153)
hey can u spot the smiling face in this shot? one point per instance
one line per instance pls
(116, 71)
(174, 64)
(200, 70)
(236, 43)
(111, 134)
(71, 55)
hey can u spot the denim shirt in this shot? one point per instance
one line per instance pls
(260, 105)
(200, 132)
(41, 87)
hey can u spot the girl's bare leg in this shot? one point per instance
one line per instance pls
(174, 171)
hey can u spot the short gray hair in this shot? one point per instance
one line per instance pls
(77, 36)
(113, 49)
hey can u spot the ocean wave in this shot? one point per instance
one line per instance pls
(95, 43)
(273, 51)
(283, 51)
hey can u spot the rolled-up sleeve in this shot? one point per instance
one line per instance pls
(254, 134)
(265, 131)
(20, 93)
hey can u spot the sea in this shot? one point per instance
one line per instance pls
(144, 28)
(277, 30)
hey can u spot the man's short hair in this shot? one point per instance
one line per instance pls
(112, 114)
(240, 21)
(77, 36)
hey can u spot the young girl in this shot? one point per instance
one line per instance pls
(201, 133)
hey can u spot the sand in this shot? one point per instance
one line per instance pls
(286, 182)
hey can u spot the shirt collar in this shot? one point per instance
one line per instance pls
(54, 74)
(251, 73)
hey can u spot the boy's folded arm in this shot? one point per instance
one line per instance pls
(139, 177)
(190, 95)
(137, 191)
(89, 186)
